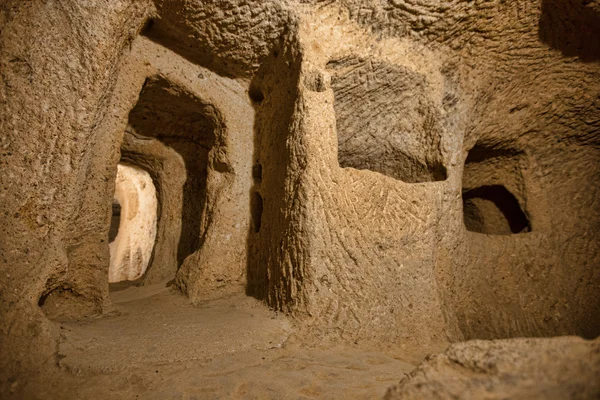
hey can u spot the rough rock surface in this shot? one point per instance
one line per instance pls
(409, 172)
(558, 368)
(59, 62)
(168, 172)
(131, 250)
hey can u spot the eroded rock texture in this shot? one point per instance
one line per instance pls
(131, 250)
(59, 62)
(558, 368)
(407, 172)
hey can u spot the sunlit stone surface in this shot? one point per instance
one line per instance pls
(131, 250)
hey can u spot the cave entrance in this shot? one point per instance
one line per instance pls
(133, 224)
(170, 134)
(180, 121)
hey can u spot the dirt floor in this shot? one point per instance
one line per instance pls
(156, 345)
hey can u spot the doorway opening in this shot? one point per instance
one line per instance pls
(133, 224)
(170, 135)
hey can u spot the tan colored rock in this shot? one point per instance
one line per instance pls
(557, 368)
(167, 169)
(394, 172)
(131, 250)
(58, 63)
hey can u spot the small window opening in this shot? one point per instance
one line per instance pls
(493, 210)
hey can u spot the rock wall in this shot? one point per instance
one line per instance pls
(394, 172)
(556, 368)
(59, 62)
(167, 169)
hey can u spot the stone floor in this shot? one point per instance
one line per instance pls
(156, 345)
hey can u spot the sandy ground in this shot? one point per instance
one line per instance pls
(156, 345)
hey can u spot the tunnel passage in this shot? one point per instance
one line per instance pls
(385, 121)
(168, 113)
(131, 249)
(491, 178)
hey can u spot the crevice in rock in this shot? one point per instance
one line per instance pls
(115, 221)
(256, 207)
(255, 94)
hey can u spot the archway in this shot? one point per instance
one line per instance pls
(136, 202)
